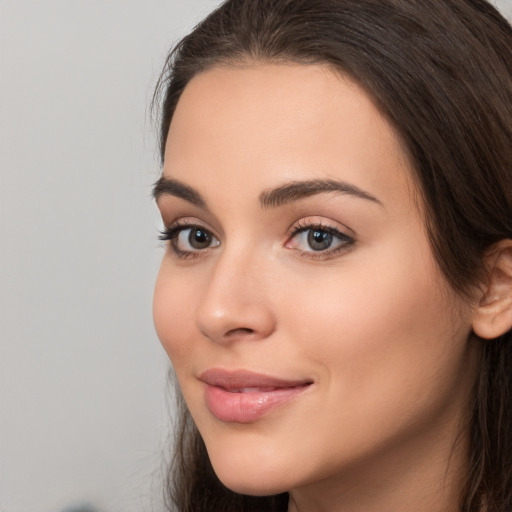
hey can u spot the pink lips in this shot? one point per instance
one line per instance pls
(243, 397)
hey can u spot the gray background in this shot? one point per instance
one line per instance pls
(82, 376)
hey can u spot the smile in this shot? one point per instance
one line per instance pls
(245, 397)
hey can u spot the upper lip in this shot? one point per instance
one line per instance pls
(237, 379)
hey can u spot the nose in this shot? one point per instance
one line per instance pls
(235, 304)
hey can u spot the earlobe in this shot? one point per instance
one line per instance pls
(493, 315)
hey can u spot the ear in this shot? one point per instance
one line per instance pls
(493, 315)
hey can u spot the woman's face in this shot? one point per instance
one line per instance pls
(311, 331)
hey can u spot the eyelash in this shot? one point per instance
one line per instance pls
(305, 226)
(172, 233)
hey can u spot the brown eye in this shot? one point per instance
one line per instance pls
(191, 239)
(199, 238)
(319, 240)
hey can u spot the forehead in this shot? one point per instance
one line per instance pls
(253, 96)
(273, 122)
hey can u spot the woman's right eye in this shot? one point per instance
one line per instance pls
(189, 240)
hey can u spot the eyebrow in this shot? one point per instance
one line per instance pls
(169, 186)
(296, 190)
(272, 198)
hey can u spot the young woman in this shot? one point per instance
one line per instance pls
(336, 293)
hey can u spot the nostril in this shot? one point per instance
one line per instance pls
(240, 331)
(224, 319)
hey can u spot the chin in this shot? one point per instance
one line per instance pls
(256, 478)
(243, 485)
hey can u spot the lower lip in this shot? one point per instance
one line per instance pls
(247, 407)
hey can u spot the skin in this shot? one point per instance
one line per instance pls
(371, 322)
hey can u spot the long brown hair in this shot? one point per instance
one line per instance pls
(441, 71)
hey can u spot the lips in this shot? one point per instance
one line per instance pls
(244, 397)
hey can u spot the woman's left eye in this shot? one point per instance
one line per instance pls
(318, 240)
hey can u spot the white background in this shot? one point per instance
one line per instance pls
(82, 376)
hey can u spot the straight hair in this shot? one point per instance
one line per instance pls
(441, 73)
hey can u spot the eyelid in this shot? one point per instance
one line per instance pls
(321, 224)
(176, 211)
(172, 232)
(178, 223)
(317, 221)
(188, 221)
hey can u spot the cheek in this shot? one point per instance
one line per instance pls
(172, 312)
(382, 329)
